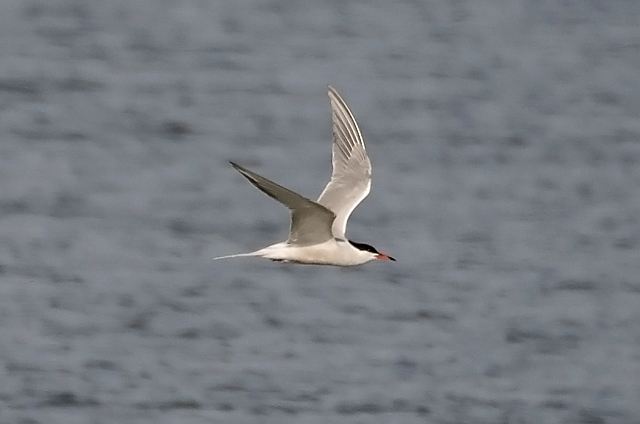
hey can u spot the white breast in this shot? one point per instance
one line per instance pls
(331, 252)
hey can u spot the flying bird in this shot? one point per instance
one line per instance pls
(317, 233)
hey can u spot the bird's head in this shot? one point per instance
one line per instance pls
(375, 253)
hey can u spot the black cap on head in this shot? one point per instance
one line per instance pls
(368, 248)
(363, 246)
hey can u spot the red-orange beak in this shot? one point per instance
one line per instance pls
(381, 256)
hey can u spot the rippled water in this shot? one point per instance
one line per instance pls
(505, 143)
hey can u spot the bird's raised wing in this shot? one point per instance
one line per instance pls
(351, 178)
(310, 221)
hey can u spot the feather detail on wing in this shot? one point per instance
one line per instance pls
(351, 178)
(310, 221)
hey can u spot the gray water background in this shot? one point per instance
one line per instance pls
(505, 138)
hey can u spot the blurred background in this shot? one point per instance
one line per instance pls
(505, 141)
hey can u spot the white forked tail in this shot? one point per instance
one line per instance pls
(237, 255)
(267, 252)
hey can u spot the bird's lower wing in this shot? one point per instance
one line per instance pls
(310, 221)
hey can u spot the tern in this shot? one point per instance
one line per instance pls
(317, 233)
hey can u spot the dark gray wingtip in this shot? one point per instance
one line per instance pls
(252, 177)
(241, 169)
(332, 90)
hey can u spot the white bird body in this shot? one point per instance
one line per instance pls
(318, 229)
(331, 252)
